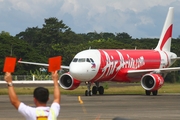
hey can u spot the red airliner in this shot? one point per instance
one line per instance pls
(120, 65)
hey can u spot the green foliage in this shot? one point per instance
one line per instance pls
(56, 38)
(105, 85)
(39, 75)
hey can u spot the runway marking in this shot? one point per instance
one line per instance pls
(80, 101)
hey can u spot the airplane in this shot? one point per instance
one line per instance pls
(149, 67)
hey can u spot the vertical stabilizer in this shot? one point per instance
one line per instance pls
(164, 43)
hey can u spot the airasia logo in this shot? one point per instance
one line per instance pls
(133, 63)
(115, 62)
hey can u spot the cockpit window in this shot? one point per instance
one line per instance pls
(81, 60)
(90, 60)
(75, 60)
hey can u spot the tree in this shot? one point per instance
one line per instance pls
(31, 36)
(123, 35)
(53, 30)
(4, 33)
(12, 46)
(107, 35)
(94, 35)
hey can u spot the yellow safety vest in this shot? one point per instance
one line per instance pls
(41, 115)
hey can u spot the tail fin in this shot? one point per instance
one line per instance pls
(165, 39)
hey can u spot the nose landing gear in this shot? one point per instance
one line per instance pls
(88, 92)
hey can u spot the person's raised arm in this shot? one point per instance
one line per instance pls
(55, 78)
(12, 94)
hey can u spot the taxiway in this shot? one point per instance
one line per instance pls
(106, 107)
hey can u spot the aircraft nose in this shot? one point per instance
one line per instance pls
(79, 72)
(76, 71)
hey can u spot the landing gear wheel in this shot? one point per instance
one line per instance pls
(155, 92)
(148, 92)
(101, 90)
(86, 93)
(94, 90)
(90, 93)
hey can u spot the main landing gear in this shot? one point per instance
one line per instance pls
(155, 92)
(95, 89)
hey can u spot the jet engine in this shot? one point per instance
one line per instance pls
(67, 82)
(152, 82)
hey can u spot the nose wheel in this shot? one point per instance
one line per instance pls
(88, 92)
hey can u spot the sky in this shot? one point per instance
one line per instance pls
(138, 18)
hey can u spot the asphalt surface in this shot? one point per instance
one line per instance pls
(111, 84)
(106, 107)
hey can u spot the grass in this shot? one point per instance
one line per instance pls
(135, 89)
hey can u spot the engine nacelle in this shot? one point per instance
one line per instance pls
(152, 82)
(67, 82)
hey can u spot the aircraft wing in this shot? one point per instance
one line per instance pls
(42, 64)
(177, 58)
(160, 70)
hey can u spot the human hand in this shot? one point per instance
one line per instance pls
(8, 77)
(55, 76)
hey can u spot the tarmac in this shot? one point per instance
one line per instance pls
(104, 107)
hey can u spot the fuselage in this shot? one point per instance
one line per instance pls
(112, 65)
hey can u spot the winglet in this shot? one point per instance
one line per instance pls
(19, 60)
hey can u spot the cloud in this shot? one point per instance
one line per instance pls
(139, 18)
(117, 16)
